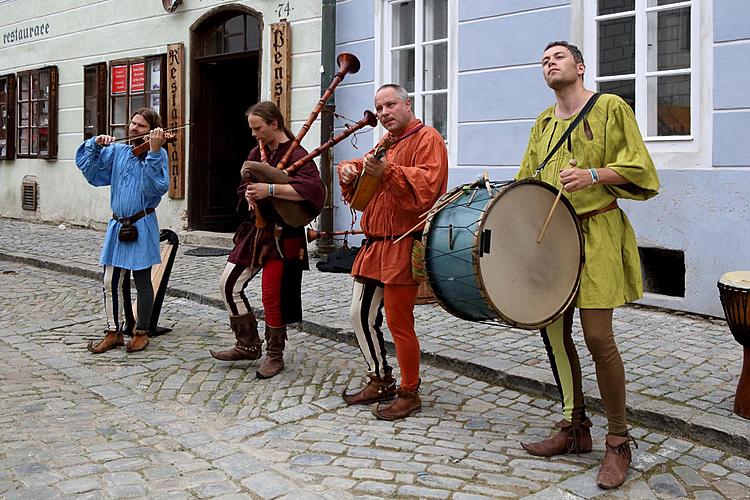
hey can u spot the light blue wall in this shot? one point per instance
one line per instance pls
(702, 212)
(731, 80)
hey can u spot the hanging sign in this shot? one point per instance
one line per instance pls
(137, 77)
(119, 82)
(176, 117)
(281, 67)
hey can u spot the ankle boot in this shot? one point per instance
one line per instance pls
(248, 343)
(377, 389)
(111, 340)
(617, 457)
(274, 362)
(139, 341)
(406, 404)
(572, 438)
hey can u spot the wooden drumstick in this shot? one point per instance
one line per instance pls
(573, 163)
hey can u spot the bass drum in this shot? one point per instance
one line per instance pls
(483, 261)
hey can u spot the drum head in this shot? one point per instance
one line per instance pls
(528, 283)
(737, 279)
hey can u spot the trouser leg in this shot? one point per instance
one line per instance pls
(273, 272)
(399, 313)
(367, 319)
(116, 280)
(145, 291)
(232, 283)
(610, 372)
(566, 366)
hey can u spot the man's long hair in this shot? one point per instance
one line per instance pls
(269, 113)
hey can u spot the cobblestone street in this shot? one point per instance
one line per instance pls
(170, 422)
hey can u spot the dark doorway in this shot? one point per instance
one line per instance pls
(225, 82)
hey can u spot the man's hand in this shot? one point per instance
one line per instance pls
(256, 191)
(347, 172)
(105, 140)
(575, 179)
(375, 167)
(156, 139)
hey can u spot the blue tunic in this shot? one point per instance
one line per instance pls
(136, 185)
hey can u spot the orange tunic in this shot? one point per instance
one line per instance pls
(416, 176)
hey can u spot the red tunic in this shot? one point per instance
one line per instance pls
(416, 176)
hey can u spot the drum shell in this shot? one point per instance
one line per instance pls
(736, 304)
(454, 255)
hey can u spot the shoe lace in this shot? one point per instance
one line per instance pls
(576, 439)
(623, 449)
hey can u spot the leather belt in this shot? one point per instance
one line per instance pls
(371, 239)
(135, 216)
(588, 215)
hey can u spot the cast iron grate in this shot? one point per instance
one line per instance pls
(207, 252)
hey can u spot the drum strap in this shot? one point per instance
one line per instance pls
(581, 115)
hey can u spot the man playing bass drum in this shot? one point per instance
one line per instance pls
(603, 159)
(413, 175)
(278, 248)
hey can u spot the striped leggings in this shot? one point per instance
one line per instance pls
(369, 297)
(118, 302)
(566, 367)
(235, 279)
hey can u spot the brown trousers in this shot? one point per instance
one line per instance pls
(566, 367)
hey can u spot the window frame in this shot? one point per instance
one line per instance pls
(101, 95)
(129, 62)
(691, 143)
(10, 109)
(52, 109)
(383, 39)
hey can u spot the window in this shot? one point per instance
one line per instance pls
(7, 122)
(94, 100)
(416, 37)
(37, 113)
(645, 53)
(239, 33)
(135, 84)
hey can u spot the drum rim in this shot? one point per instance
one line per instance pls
(475, 256)
(425, 236)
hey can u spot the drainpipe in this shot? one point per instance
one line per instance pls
(328, 58)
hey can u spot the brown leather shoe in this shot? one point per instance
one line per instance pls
(274, 362)
(248, 343)
(377, 389)
(406, 404)
(617, 457)
(111, 340)
(139, 341)
(572, 438)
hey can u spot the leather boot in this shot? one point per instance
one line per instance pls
(139, 341)
(274, 362)
(248, 343)
(377, 389)
(111, 340)
(572, 438)
(406, 404)
(616, 461)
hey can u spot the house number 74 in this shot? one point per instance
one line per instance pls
(284, 10)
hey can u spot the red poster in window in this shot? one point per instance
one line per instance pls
(119, 83)
(137, 77)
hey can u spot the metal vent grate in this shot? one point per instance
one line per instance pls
(29, 195)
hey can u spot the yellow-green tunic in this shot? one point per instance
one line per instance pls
(607, 138)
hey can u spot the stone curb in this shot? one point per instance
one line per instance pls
(708, 430)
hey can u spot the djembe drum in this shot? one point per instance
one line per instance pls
(734, 291)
